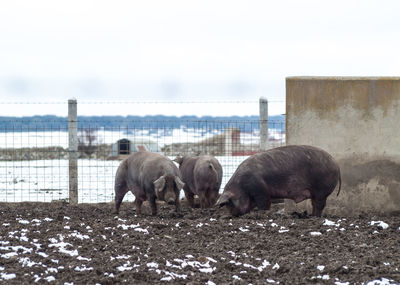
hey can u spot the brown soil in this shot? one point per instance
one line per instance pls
(87, 244)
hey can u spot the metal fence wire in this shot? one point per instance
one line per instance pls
(34, 154)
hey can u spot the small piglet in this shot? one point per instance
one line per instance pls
(149, 176)
(202, 176)
(296, 172)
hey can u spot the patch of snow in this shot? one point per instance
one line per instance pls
(236, 277)
(380, 224)
(210, 283)
(8, 255)
(25, 261)
(170, 275)
(206, 270)
(25, 222)
(243, 229)
(330, 223)
(69, 252)
(49, 278)
(61, 246)
(283, 230)
(78, 235)
(263, 265)
(126, 227)
(7, 276)
(120, 257)
(276, 266)
(141, 230)
(152, 265)
(211, 259)
(83, 268)
(48, 219)
(235, 262)
(249, 266)
(383, 281)
(315, 233)
(38, 245)
(83, 258)
(274, 225)
(341, 283)
(52, 270)
(320, 267)
(124, 267)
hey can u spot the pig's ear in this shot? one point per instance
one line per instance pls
(178, 159)
(224, 199)
(179, 183)
(159, 184)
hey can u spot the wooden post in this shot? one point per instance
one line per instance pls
(228, 141)
(263, 123)
(73, 151)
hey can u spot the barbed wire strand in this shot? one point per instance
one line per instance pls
(138, 102)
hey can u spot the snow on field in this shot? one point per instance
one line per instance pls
(162, 137)
(47, 180)
(49, 255)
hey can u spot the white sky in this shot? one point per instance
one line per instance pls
(185, 51)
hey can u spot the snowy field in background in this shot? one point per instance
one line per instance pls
(47, 180)
(162, 137)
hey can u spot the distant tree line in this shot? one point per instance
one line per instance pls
(131, 123)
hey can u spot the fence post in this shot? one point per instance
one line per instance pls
(263, 123)
(228, 141)
(73, 151)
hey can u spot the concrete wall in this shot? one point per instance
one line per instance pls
(357, 120)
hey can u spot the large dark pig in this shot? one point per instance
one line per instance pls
(296, 172)
(202, 176)
(149, 176)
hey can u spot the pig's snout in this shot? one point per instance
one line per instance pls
(171, 201)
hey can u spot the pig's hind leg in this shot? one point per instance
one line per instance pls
(138, 205)
(189, 197)
(120, 188)
(318, 205)
(153, 205)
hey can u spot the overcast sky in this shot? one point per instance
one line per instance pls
(99, 51)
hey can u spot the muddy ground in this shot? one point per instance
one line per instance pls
(86, 244)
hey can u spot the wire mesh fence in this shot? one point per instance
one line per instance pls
(34, 152)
